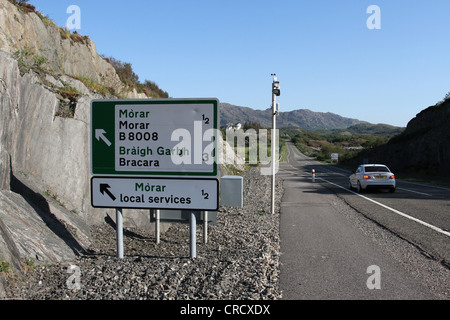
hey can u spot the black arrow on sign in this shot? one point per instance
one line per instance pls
(104, 188)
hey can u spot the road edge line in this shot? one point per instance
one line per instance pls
(392, 209)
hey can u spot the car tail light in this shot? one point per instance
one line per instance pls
(392, 177)
(366, 176)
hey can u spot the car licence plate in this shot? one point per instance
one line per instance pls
(379, 177)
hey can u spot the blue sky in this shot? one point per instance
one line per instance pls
(325, 56)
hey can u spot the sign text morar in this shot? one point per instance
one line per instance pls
(155, 193)
(155, 137)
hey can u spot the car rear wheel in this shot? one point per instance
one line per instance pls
(359, 188)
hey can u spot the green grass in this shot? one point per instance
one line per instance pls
(5, 267)
(27, 60)
(92, 85)
(69, 92)
(283, 151)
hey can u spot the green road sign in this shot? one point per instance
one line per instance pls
(169, 137)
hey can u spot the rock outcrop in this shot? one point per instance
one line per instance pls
(423, 148)
(45, 206)
(45, 209)
(28, 32)
(45, 158)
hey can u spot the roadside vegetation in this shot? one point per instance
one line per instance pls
(28, 59)
(5, 268)
(131, 80)
(348, 143)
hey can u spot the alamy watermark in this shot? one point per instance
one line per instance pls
(374, 281)
(74, 20)
(74, 281)
(374, 20)
(241, 147)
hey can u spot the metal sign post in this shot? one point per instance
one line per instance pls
(158, 226)
(193, 235)
(205, 227)
(119, 233)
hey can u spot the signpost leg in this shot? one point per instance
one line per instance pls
(119, 233)
(205, 227)
(158, 226)
(193, 235)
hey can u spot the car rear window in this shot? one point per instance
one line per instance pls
(376, 169)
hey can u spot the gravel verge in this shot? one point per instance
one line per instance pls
(241, 260)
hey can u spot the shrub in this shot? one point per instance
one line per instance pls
(128, 77)
(69, 92)
(92, 85)
(5, 267)
(46, 19)
(27, 60)
(23, 5)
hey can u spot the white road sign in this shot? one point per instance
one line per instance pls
(155, 193)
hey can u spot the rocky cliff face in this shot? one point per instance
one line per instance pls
(27, 32)
(423, 148)
(46, 159)
(45, 208)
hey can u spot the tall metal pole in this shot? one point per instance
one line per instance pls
(275, 93)
(273, 144)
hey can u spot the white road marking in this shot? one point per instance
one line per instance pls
(393, 210)
(427, 185)
(422, 193)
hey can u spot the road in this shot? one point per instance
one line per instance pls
(338, 244)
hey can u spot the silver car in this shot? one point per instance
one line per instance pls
(368, 176)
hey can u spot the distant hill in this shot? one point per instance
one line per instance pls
(303, 118)
(384, 130)
(422, 148)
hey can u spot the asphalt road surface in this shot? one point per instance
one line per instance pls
(338, 244)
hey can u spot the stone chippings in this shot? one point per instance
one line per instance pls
(240, 261)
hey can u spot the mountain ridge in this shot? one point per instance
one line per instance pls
(304, 118)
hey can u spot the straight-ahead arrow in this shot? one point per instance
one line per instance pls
(100, 134)
(105, 188)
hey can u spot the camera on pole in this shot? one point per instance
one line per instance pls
(276, 88)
